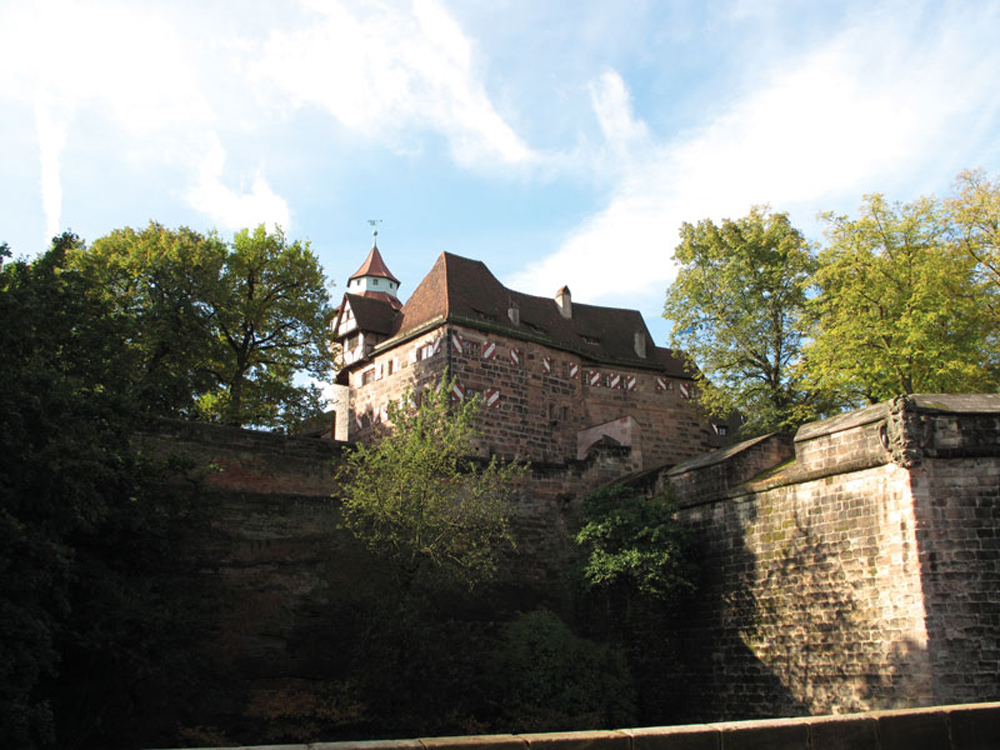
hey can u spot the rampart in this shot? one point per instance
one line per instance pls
(853, 568)
(862, 573)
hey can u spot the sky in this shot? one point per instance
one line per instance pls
(561, 142)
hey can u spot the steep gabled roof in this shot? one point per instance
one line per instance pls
(374, 312)
(463, 291)
(374, 266)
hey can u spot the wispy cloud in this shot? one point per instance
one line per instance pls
(389, 75)
(236, 209)
(873, 106)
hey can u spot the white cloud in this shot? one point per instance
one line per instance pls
(51, 131)
(236, 209)
(127, 64)
(385, 74)
(874, 105)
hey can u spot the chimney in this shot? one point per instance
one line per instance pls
(640, 344)
(514, 313)
(564, 302)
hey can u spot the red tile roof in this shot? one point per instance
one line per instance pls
(465, 292)
(374, 266)
(376, 312)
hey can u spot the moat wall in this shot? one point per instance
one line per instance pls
(854, 568)
(864, 574)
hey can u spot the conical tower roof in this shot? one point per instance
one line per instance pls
(374, 266)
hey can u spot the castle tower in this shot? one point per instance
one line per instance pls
(373, 276)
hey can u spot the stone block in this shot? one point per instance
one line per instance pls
(913, 730)
(975, 727)
(691, 737)
(844, 733)
(475, 742)
(612, 740)
(770, 734)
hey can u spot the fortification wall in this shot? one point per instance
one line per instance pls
(862, 575)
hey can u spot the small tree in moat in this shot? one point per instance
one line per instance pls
(419, 498)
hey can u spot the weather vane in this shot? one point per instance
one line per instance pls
(374, 225)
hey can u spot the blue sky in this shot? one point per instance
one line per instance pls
(561, 142)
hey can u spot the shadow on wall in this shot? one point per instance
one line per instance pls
(793, 632)
(721, 678)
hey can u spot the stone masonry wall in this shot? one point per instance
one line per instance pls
(862, 576)
(536, 399)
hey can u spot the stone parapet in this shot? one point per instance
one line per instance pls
(958, 727)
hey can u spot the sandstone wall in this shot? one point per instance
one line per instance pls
(863, 575)
(536, 398)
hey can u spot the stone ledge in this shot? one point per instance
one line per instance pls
(974, 726)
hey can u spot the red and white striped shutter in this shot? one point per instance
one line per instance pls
(457, 392)
(456, 342)
(630, 382)
(616, 380)
(686, 390)
(574, 370)
(437, 346)
(493, 398)
(515, 356)
(661, 383)
(359, 421)
(379, 371)
(489, 350)
(595, 379)
(547, 364)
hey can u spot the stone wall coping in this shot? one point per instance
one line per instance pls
(970, 726)
(718, 456)
(841, 422)
(948, 403)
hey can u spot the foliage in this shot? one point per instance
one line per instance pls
(215, 331)
(634, 544)
(82, 529)
(974, 214)
(737, 308)
(547, 679)
(418, 497)
(898, 307)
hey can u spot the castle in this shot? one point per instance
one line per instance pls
(557, 379)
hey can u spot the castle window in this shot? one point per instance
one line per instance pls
(471, 348)
(368, 376)
(374, 282)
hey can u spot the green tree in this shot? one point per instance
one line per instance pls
(545, 678)
(898, 307)
(634, 544)
(737, 307)
(272, 317)
(84, 528)
(161, 285)
(418, 497)
(974, 213)
(217, 331)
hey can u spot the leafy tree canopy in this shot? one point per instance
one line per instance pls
(634, 544)
(216, 331)
(737, 307)
(899, 308)
(418, 497)
(84, 528)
